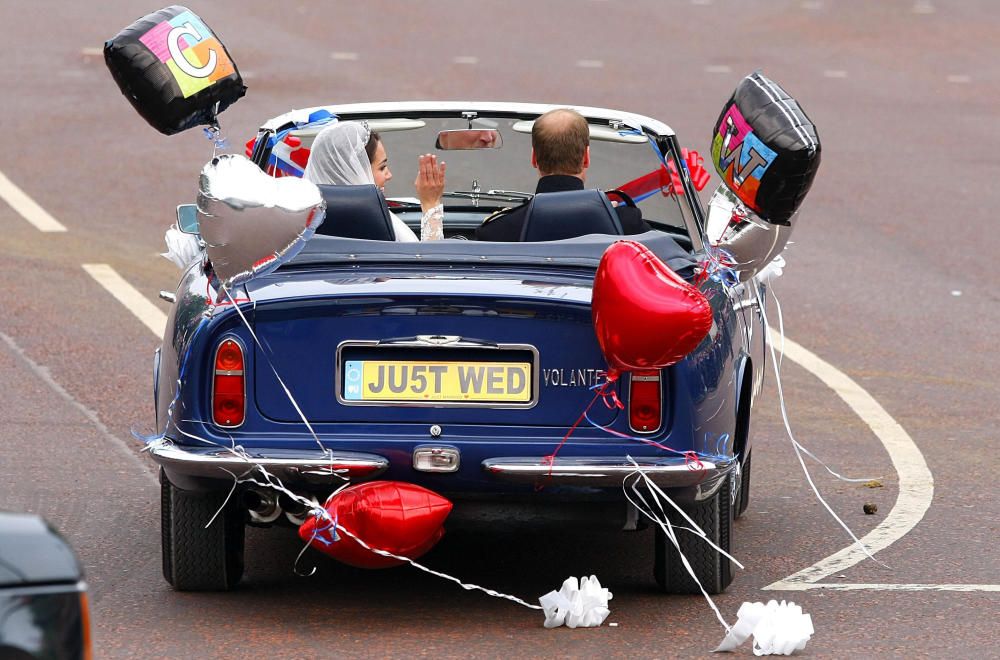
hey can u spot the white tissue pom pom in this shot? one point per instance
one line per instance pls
(578, 604)
(777, 628)
(182, 248)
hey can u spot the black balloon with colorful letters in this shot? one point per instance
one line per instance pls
(174, 70)
(766, 149)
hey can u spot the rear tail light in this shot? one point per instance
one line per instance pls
(228, 385)
(645, 402)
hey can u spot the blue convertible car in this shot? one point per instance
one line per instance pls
(458, 365)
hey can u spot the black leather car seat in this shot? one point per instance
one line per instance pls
(559, 215)
(356, 212)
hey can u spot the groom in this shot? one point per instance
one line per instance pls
(560, 151)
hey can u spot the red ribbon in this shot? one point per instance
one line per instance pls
(667, 179)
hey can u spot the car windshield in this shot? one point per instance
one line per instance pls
(619, 160)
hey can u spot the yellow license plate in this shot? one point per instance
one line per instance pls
(452, 382)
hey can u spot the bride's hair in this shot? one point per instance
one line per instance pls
(373, 139)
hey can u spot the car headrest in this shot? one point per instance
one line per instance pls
(356, 212)
(559, 215)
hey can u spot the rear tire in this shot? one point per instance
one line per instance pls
(714, 570)
(196, 558)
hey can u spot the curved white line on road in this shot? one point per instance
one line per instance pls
(916, 485)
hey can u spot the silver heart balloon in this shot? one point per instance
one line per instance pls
(252, 222)
(750, 241)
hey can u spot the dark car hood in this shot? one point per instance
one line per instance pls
(32, 552)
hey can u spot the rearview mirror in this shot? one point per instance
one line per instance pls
(187, 218)
(468, 139)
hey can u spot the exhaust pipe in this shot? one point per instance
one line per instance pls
(295, 511)
(262, 505)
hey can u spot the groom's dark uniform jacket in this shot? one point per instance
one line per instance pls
(506, 225)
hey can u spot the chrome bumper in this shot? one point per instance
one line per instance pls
(310, 467)
(605, 471)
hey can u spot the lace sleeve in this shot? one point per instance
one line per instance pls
(432, 224)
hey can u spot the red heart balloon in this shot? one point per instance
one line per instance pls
(395, 516)
(645, 315)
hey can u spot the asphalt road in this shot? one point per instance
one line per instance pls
(890, 279)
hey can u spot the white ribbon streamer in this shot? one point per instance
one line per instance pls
(670, 530)
(781, 350)
(273, 482)
(777, 628)
(799, 449)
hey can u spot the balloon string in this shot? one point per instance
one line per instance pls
(805, 450)
(691, 458)
(333, 524)
(799, 449)
(273, 482)
(660, 518)
(326, 452)
(551, 458)
(609, 395)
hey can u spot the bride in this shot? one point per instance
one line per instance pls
(350, 153)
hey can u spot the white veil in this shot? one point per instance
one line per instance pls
(338, 155)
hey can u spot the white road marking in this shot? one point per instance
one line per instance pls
(835, 73)
(43, 374)
(916, 485)
(590, 64)
(26, 207)
(959, 79)
(923, 7)
(90, 51)
(344, 56)
(718, 68)
(465, 59)
(811, 4)
(151, 315)
(842, 586)
(701, 2)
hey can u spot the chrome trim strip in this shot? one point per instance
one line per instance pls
(455, 108)
(294, 465)
(458, 343)
(602, 471)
